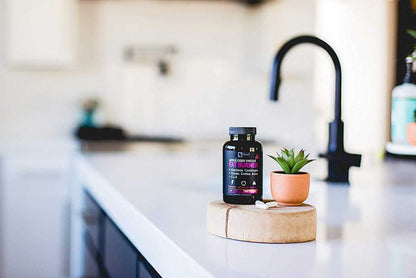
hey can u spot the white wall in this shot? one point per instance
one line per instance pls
(363, 34)
(219, 78)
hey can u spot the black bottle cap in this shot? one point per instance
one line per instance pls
(242, 130)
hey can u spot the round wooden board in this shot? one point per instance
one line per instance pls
(274, 225)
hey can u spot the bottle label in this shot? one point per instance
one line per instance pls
(243, 175)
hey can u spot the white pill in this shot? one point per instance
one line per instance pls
(271, 204)
(261, 205)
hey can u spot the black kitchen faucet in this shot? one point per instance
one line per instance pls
(339, 161)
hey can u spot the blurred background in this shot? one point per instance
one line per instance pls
(165, 71)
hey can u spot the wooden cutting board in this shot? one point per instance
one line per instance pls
(274, 225)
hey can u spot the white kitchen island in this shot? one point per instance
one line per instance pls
(158, 199)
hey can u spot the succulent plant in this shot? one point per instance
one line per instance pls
(291, 163)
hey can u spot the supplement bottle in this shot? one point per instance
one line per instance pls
(242, 167)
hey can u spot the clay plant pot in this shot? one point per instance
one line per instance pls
(411, 133)
(289, 189)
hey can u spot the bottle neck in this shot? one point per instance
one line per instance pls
(242, 137)
(410, 76)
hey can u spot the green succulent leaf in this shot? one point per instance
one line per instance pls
(300, 156)
(285, 155)
(284, 165)
(291, 162)
(309, 161)
(300, 165)
(292, 153)
(412, 33)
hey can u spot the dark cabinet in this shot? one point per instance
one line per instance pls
(92, 217)
(145, 270)
(90, 266)
(106, 251)
(119, 255)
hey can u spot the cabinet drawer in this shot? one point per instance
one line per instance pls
(120, 257)
(90, 266)
(92, 217)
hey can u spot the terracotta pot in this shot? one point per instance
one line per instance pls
(289, 189)
(411, 133)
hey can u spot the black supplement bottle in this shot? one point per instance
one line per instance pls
(242, 167)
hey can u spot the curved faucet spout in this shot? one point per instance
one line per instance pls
(339, 161)
(276, 77)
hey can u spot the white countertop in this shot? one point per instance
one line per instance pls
(159, 200)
